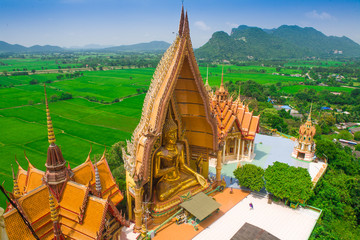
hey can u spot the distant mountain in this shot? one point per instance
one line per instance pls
(140, 47)
(247, 42)
(16, 48)
(89, 46)
(154, 46)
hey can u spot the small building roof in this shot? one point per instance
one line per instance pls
(201, 205)
(285, 107)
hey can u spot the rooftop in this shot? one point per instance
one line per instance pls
(281, 221)
(268, 150)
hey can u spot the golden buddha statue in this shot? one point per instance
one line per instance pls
(170, 169)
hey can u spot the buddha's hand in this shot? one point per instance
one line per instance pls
(201, 180)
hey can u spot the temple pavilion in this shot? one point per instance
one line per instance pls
(236, 125)
(64, 203)
(304, 148)
(167, 159)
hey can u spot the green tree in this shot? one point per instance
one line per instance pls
(357, 136)
(287, 182)
(33, 82)
(344, 134)
(250, 176)
(357, 147)
(53, 98)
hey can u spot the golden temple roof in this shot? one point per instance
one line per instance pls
(176, 83)
(232, 113)
(78, 213)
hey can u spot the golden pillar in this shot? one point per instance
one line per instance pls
(138, 208)
(218, 166)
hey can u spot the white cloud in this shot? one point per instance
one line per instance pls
(232, 25)
(202, 26)
(321, 16)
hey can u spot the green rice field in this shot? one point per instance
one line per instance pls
(296, 88)
(80, 123)
(32, 63)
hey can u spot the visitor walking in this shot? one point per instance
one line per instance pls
(251, 205)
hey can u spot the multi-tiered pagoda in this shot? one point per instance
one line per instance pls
(304, 148)
(64, 203)
(236, 125)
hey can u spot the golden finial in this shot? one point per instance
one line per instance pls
(181, 25)
(88, 157)
(309, 117)
(207, 75)
(30, 165)
(222, 89)
(53, 210)
(51, 135)
(169, 125)
(19, 166)
(16, 189)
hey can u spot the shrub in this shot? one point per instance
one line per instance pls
(288, 182)
(250, 176)
(357, 136)
(33, 82)
(344, 134)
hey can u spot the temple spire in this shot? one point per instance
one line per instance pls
(16, 189)
(222, 88)
(309, 117)
(54, 214)
(57, 173)
(207, 75)
(181, 25)
(186, 29)
(207, 86)
(51, 135)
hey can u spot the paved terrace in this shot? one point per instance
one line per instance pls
(268, 150)
(281, 221)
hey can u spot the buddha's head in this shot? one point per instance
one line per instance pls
(170, 131)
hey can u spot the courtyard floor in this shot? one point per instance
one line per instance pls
(269, 149)
(281, 221)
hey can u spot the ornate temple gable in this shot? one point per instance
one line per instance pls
(178, 76)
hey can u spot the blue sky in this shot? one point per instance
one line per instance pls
(115, 22)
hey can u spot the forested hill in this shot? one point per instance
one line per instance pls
(154, 46)
(16, 48)
(284, 42)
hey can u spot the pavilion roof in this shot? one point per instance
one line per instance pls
(233, 114)
(201, 205)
